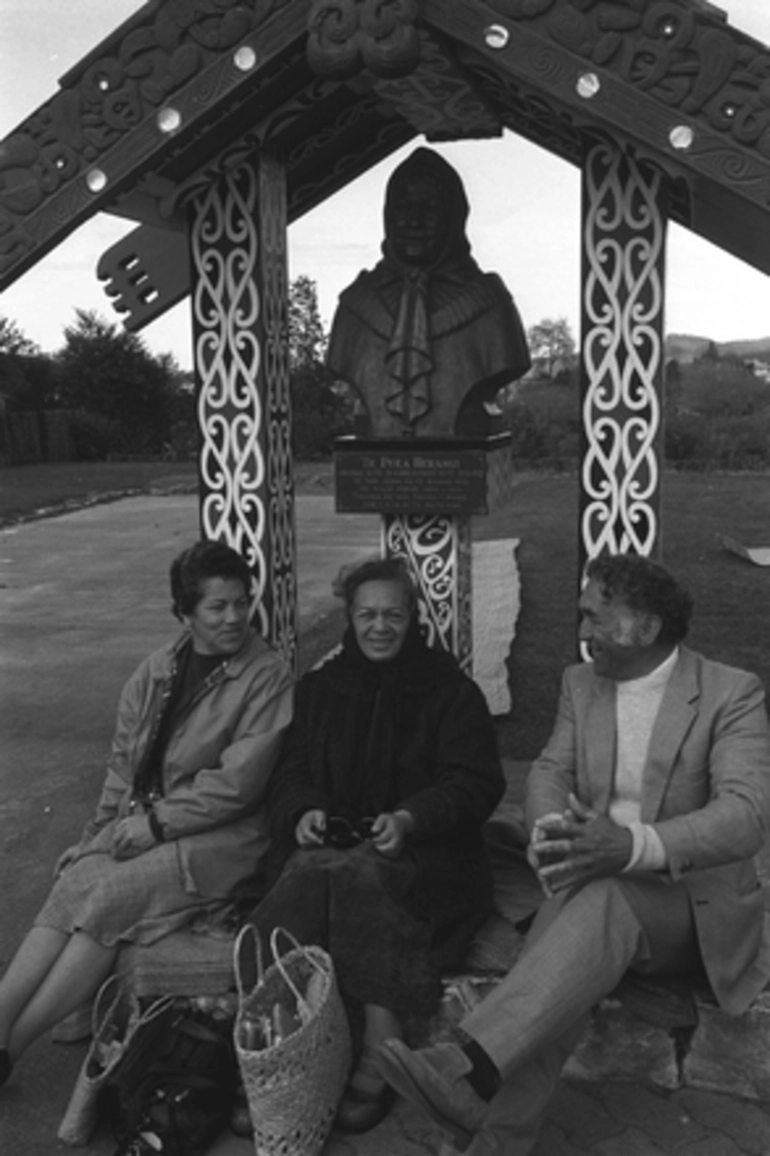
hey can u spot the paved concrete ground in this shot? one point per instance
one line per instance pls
(83, 598)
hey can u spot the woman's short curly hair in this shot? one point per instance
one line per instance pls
(646, 587)
(193, 566)
(378, 570)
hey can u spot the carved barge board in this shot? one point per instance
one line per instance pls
(653, 75)
(106, 121)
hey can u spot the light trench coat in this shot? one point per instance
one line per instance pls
(216, 765)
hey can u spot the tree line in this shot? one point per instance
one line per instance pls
(716, 407)
(103, 394)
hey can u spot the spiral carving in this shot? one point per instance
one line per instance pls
(103, 99)
(279, 492)
(345, 36)
(226, 310)
(437, 98)
(438, 551)
(624, 237)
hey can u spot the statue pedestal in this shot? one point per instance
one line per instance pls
(427, 490)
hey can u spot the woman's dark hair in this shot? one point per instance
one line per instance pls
(379, 570)
(193, 566)
(645, 587)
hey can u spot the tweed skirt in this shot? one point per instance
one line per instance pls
(137, 900)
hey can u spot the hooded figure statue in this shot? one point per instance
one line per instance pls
(426, 338)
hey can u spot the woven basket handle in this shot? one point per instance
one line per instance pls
(301, 1001)
(248, 965)
(159, 1005)
(104, 1005)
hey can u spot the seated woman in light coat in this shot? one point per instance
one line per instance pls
(180, 821)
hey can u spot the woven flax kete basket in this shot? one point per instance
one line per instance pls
(293, 1087)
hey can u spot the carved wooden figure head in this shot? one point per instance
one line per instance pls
(426, 338)
(425, 212)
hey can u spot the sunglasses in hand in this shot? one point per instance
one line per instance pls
(342, 833)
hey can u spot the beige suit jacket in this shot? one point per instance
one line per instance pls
(705, 789)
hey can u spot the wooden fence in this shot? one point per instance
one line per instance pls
(35, 436)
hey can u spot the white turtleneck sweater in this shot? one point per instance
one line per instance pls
(636, 707)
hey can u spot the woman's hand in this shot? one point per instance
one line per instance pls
(309, 831)
(389, 831)
(69, 856)
(132, 837)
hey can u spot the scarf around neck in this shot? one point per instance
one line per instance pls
(362, 754)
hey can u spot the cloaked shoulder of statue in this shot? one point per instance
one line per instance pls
(426, 338)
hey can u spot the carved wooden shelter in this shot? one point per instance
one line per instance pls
(215, 123)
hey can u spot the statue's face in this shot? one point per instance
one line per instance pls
(418, 222)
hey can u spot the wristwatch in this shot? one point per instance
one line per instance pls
(156, 826)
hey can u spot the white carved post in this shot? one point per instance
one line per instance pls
(622, 364)
(438, 551)
(239, 304)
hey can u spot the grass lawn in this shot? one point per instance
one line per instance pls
(732, 597)
(52, 488)
(28, 491)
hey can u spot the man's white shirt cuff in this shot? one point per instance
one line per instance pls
(648, 852)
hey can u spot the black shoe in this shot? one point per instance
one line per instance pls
(6, 1066)
(361, 1111)
(240, 1119)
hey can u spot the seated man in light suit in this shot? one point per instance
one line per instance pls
(645, 810)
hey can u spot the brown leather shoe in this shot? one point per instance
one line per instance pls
(240, 1118)
(433, 1079)
(367, 1099)
(362, 1111)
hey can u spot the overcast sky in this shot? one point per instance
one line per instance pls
(524, 222)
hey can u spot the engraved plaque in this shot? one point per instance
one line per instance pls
(415, 476)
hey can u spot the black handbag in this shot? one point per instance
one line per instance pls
(176, 1098)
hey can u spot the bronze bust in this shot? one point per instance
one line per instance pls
(426, 338)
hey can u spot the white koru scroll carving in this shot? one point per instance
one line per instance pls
(438, 550)
(622, 348)
(238, 246)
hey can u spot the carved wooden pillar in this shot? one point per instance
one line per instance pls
(239, 302)
(438, 550)
(622, 363)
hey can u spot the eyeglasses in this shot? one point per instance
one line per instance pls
(343, 834)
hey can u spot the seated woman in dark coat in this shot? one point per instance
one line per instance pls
(387, 774)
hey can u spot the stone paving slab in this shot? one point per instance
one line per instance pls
(584, 1120)
(727, 1054)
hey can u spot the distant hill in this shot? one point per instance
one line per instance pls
(685, 348)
